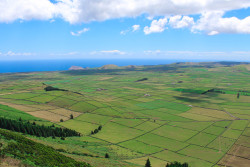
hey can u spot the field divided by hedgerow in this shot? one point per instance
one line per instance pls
(166, 118)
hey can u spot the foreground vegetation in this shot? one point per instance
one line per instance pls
(33, 153)
(186, 112)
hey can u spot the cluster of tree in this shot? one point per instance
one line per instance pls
(214, 90)
(240, 92)
(143, 79)
(51, 88)
(96, 130)
(177, 164)
(34, 129)
(172, 164)
(36, 153)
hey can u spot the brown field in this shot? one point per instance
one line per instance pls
(65, 112)
(210, 113)
(19, 107)
(48, 116)
(230, 160)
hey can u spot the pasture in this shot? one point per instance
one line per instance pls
(165, 118)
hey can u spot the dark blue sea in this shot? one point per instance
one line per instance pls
(7, 66)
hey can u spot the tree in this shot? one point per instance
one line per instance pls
(106, 155)
(96, 131)
(177, 164)
(238, 95)
(100, 127)
(71, 116)
(148, 164)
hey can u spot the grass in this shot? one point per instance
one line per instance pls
(222, 144)
(94, 118)
(155, 114)
(197, 117)
(192, 125)
(140, 147)
(172, 156)
(128, 122)
(210, 113)
(62, 102)
(162, 142)
(82, 127)
(11, 113)
(83, 107)
(239, 125)
(222, 123)
(20, 96)
(160, 104)
(42, 98)
(174, 133)
(203, 153)
(106, 112)
(115, 133)
(233, 134)
(202, 139)
(147, 126)
(215, 130)
(153, 161)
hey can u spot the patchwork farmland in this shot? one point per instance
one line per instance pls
(169, 117)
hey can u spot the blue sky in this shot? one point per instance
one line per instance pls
(133, 31)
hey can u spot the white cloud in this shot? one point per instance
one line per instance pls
(52, 21)
(152, 52)
(113, 52)
(79, 11)
(64, 54)
(150, 17)
(100, 10)
(76, 11)
(78, 33)
(181, 22)
(213, 33)
(11, 53)
(135, 28)
(124, 32)
(213, 23)
(156, 26)
(12, 10)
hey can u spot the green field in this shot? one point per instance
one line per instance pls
(172, 116)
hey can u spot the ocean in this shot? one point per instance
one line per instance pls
(8, 66)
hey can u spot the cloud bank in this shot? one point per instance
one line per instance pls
(83, 11)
